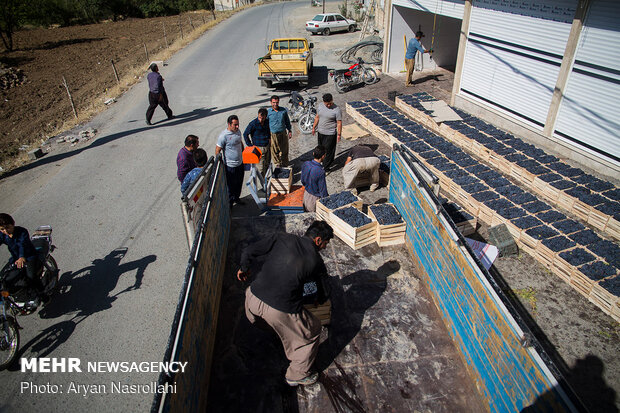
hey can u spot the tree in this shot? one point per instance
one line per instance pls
(12, 13)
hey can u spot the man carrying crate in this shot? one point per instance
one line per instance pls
(276, 294)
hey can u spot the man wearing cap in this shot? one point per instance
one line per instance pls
(412, 48)
(157, 94)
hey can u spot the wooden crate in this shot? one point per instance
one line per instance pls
(485, 214)
(613, 228)
(581, 210)
(497, 219)
(581, 283)
(602, 298)
(597, 219)
(282, 185)
(562, 269)
(526, 240)
(321, 311)
(467, 227)
(550, 192)
(615, 310)
(565, 201)
(323, 213)
(545, 256)
(388, 234)
(354, 237)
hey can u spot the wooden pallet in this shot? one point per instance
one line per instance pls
(321, 311)
(393, 234)
(354, 237)
(582, 284)
(282, 185)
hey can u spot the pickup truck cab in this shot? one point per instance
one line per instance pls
(287, 60)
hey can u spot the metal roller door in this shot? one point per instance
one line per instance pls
(590, 110)
(513, 55)
(450, 8)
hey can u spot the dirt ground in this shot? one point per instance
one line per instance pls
(82, 55)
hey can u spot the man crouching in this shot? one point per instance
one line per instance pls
(276, 293)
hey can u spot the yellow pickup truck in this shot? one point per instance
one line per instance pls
(287, 60)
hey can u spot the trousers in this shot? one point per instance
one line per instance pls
(279, 148)
(298, 332)
(160, 99)
(359, 165)
(329, 142)
(234, 182)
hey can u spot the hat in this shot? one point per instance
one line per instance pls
(419, 34)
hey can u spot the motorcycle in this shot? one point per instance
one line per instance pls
(17, 298)
(302, 111)
(344, 79)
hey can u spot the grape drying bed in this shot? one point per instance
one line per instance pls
(589, 263)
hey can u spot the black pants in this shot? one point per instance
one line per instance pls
(154, 100)
(31, 270)
(234, 182)
(329, 142)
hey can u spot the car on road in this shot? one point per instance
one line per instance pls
(330, 22)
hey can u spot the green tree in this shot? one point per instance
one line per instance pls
(12, 16)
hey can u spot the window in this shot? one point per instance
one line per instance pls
(330, 18)
(339, 17)
(318, 18)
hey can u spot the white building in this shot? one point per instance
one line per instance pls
(546, 70)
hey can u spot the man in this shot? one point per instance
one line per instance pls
(230, 142)
(276, 293)
(200, 158)
(413, 47)
(157, 94)
(185, 157)
(328, 124)
(361, 159)
(257, 133)
(23, 255)
(313, 179)
(280, 127)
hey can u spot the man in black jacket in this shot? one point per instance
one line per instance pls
(276, 294)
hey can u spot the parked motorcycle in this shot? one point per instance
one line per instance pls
(302, 111)
(17, 298)
(344, 79)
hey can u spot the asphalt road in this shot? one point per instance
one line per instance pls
(114, 207)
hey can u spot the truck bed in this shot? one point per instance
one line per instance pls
(387, 348)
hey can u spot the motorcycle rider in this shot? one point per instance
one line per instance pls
(23, 255)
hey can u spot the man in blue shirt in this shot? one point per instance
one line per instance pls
(412, 48)
(313, 179)
(280, 127)
(230, 144)
(157, 94)
(23, 254)
(200, 157)
(258, 134)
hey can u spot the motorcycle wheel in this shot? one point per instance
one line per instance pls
(305, 123)
(9, 343)
(51, 278)
(370, 76)
(341, 85)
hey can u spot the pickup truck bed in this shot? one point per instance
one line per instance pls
(387, 347)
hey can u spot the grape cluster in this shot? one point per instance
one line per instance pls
(339, 199)
(352, 216)
(281, 173)
(386, 214)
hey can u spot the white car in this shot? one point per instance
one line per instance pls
(330, 22)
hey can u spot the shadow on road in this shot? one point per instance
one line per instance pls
(87, 291)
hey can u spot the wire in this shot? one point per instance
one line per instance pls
(375, 50)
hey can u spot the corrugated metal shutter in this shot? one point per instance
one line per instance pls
(448, 8)
(590, 110)
(514, 53)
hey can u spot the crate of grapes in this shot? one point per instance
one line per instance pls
(338, 200)
(390, 225)
(353, 227)
(321, 311)
(281, 180)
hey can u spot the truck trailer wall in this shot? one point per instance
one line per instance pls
(510, 375)
(193, 330)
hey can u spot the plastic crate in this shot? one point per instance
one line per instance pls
(500, 237)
